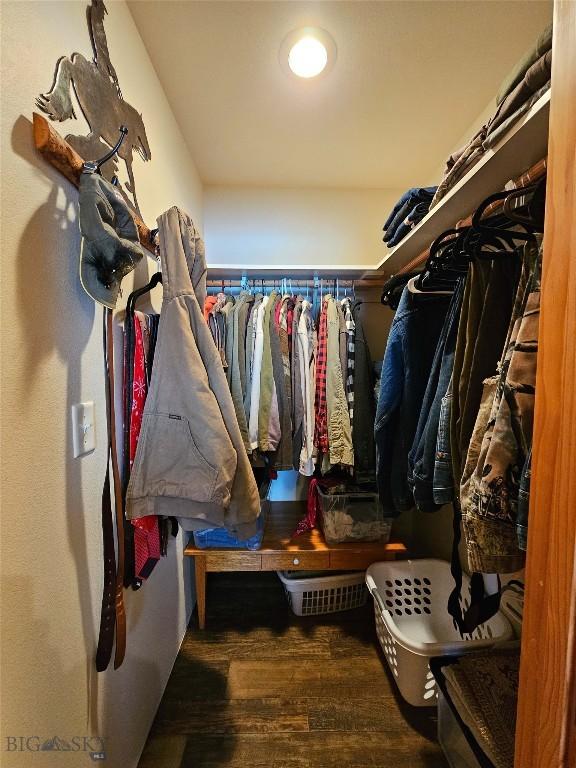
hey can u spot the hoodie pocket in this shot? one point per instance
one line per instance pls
(169, 461)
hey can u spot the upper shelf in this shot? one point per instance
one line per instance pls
(524, 145)
(297, 272)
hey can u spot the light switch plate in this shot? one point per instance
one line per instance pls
(83, 428)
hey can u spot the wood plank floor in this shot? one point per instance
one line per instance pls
(262, 688)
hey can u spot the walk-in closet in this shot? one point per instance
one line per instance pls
(288, 357)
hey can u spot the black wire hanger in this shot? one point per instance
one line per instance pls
(135, 295)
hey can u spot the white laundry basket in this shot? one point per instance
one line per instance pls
(413, 623)
(311, 594)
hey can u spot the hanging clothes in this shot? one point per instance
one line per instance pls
(307, 380)
(280, 342)
(237, 322)
(364, 403)
(269, 433)
(320, 405)
(490, 512)
(244, 314)
(190, 460)
(298, 392)
(256, 371)
(146, 529)
(142, 538)
(349, 356)
(484, 320)
(249, 358)
(422, 456)
(213, 306)
(408, 359)
(524, 503)
(339, 431)
(272, 343)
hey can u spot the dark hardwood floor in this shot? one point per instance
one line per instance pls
(262, 688)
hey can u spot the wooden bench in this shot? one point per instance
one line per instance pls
(281, 551)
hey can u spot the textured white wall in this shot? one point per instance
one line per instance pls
(51, 358)
(255, 226)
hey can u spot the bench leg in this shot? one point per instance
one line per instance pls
(200, 571)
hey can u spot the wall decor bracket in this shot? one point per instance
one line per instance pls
(97, 89)
(59, 153)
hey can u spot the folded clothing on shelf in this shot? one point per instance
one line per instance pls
(408, 211)
(528, 81)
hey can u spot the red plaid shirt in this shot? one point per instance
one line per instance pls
(320, 404)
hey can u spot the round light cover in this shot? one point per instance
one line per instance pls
(308, 57)
(307, 53)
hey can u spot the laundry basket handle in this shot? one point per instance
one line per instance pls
(373, 589)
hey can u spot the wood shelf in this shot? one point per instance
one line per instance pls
(282, 551)
(296, 272)
(524, 145)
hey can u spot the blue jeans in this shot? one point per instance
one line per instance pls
(443, 484)
(404, 207)
(422, 457)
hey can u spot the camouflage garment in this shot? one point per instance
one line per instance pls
(501, 441)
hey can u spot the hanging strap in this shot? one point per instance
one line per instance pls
(112, 611)
(129, 566)
(482, 607)
(119, 602)
(107, 612)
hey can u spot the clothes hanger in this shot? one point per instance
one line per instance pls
(445, 264)
(440, 276)
(533, 201)
(393, 286)
(135, 295)
(490, 237)
(412, 287)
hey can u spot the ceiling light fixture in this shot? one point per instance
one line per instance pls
(307, 53)
(308, 57)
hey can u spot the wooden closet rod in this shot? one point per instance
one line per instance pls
(533, 174)
(65, 159)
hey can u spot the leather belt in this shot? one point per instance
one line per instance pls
(112, 615)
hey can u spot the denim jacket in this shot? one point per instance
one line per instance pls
(406, 368)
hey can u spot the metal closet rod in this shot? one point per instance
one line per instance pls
(271, 282)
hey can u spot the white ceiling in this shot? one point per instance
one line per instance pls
(410, 78)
